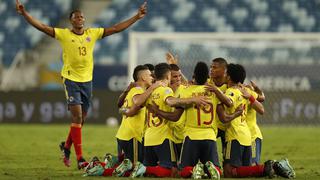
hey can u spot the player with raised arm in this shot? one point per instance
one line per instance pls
(77, 45)
(178, 84)
(177, 127)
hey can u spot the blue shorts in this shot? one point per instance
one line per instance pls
(132, 149)
(237, 154)
(194, 150)
(163, 155)
(78, 93)
(256, 150)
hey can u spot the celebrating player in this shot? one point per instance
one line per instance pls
(237, 163)
(77, 45)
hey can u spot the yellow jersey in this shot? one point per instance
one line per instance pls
(178, 127)
(222, 88)
(238, 128)
(132, 127)
(252, 118)
(158, 128)
(77, 53)
(199, 123)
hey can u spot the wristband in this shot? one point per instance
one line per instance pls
(252, 99)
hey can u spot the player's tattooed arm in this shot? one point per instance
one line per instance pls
(34, 22)
(224, 117)
(127, 23)
(171, 116)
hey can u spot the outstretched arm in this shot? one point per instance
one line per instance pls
(125, 24)
(34, 22)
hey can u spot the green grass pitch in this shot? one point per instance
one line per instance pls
(31, 151)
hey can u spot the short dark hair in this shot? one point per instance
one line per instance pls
(160, 70)
(72, 12)
(236, 72)
(150, 66)
(137, 70)
(174, 67)
(201, 73)
(221, 61)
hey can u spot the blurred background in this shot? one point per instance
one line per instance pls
(278, 42)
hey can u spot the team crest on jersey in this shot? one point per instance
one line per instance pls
(167, 91)
(88, 39)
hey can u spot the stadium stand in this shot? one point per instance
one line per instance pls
(16, 34)
(208, 16)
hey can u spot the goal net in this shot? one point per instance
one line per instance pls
(285, 65)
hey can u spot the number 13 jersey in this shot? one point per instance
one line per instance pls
(77, 53)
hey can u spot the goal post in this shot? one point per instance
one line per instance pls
(284, 65)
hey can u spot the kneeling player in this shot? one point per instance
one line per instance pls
(237, 163)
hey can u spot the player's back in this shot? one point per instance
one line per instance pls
(200, 119)
(132, 126)
(238, 128)
(157, 128)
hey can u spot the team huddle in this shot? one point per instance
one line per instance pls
(170, 126)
